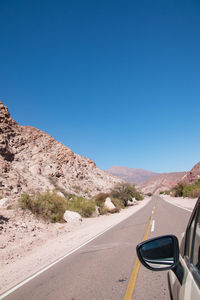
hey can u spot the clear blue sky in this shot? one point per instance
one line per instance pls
(116, 81)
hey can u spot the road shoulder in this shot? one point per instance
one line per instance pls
(51, 249)
(184, 203)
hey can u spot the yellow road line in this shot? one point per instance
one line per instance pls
(132, 281)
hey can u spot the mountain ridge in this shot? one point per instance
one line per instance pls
(33, 161)
(132, 175)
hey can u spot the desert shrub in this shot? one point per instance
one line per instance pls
(189, 190)
(99, 200)
(165, 192)
(149, 194)
(138, 196)
(25, 201)
(124, 192)
(117, 203)
(81, 205)
(192, 190)
(177, 190)
(49, 205)
(113, 211)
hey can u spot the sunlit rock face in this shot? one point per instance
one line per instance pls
(32, 160)
(193, 175)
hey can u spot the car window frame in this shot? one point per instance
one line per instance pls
(189, 261)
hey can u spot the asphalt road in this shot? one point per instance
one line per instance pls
(102, 269)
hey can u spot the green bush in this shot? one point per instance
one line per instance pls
(49, 205)
(117, 203)
(125, 192)
(81, 205)
(138, 196)
(189, 190)
(177, 190)
(164, 192)
(192, 190)
(25, 201)
(167, 192)
(99, 200)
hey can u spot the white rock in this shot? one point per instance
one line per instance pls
(130, 203)
(71, 216)
(3, 202)
(108, 204)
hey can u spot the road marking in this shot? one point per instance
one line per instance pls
(55, 262)
(5, 294)
(132, 281)
(190, 210)
(152, 226)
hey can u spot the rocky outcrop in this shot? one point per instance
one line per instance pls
(33, 161)
(193, 175)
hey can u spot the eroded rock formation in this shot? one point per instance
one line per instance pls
(31, 161)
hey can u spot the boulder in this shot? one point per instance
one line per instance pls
(72, 216)
(3, 202)
(109, 205)
(130, 203)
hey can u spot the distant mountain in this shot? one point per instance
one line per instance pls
(130, 174)
(161, 182)
(166, 181)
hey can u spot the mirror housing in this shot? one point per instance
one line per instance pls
(160, 253)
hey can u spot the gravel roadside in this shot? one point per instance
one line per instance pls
(20, 259)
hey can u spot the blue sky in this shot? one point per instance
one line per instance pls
(116, 81)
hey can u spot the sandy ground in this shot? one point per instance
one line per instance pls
(28, 245)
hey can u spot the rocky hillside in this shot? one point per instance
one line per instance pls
(193, 175)
(130, 174)
(161, 182)
(166, 181)
(31, 161)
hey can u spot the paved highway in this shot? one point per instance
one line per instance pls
(104, 268)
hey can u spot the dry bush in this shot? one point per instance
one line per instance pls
(49, 205)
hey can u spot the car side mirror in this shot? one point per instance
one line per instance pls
(158, 254)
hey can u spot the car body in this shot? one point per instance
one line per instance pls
(163, 253)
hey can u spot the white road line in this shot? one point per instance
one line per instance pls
(190, 210)
(152, 225)
(2, 296)
(55, 262)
